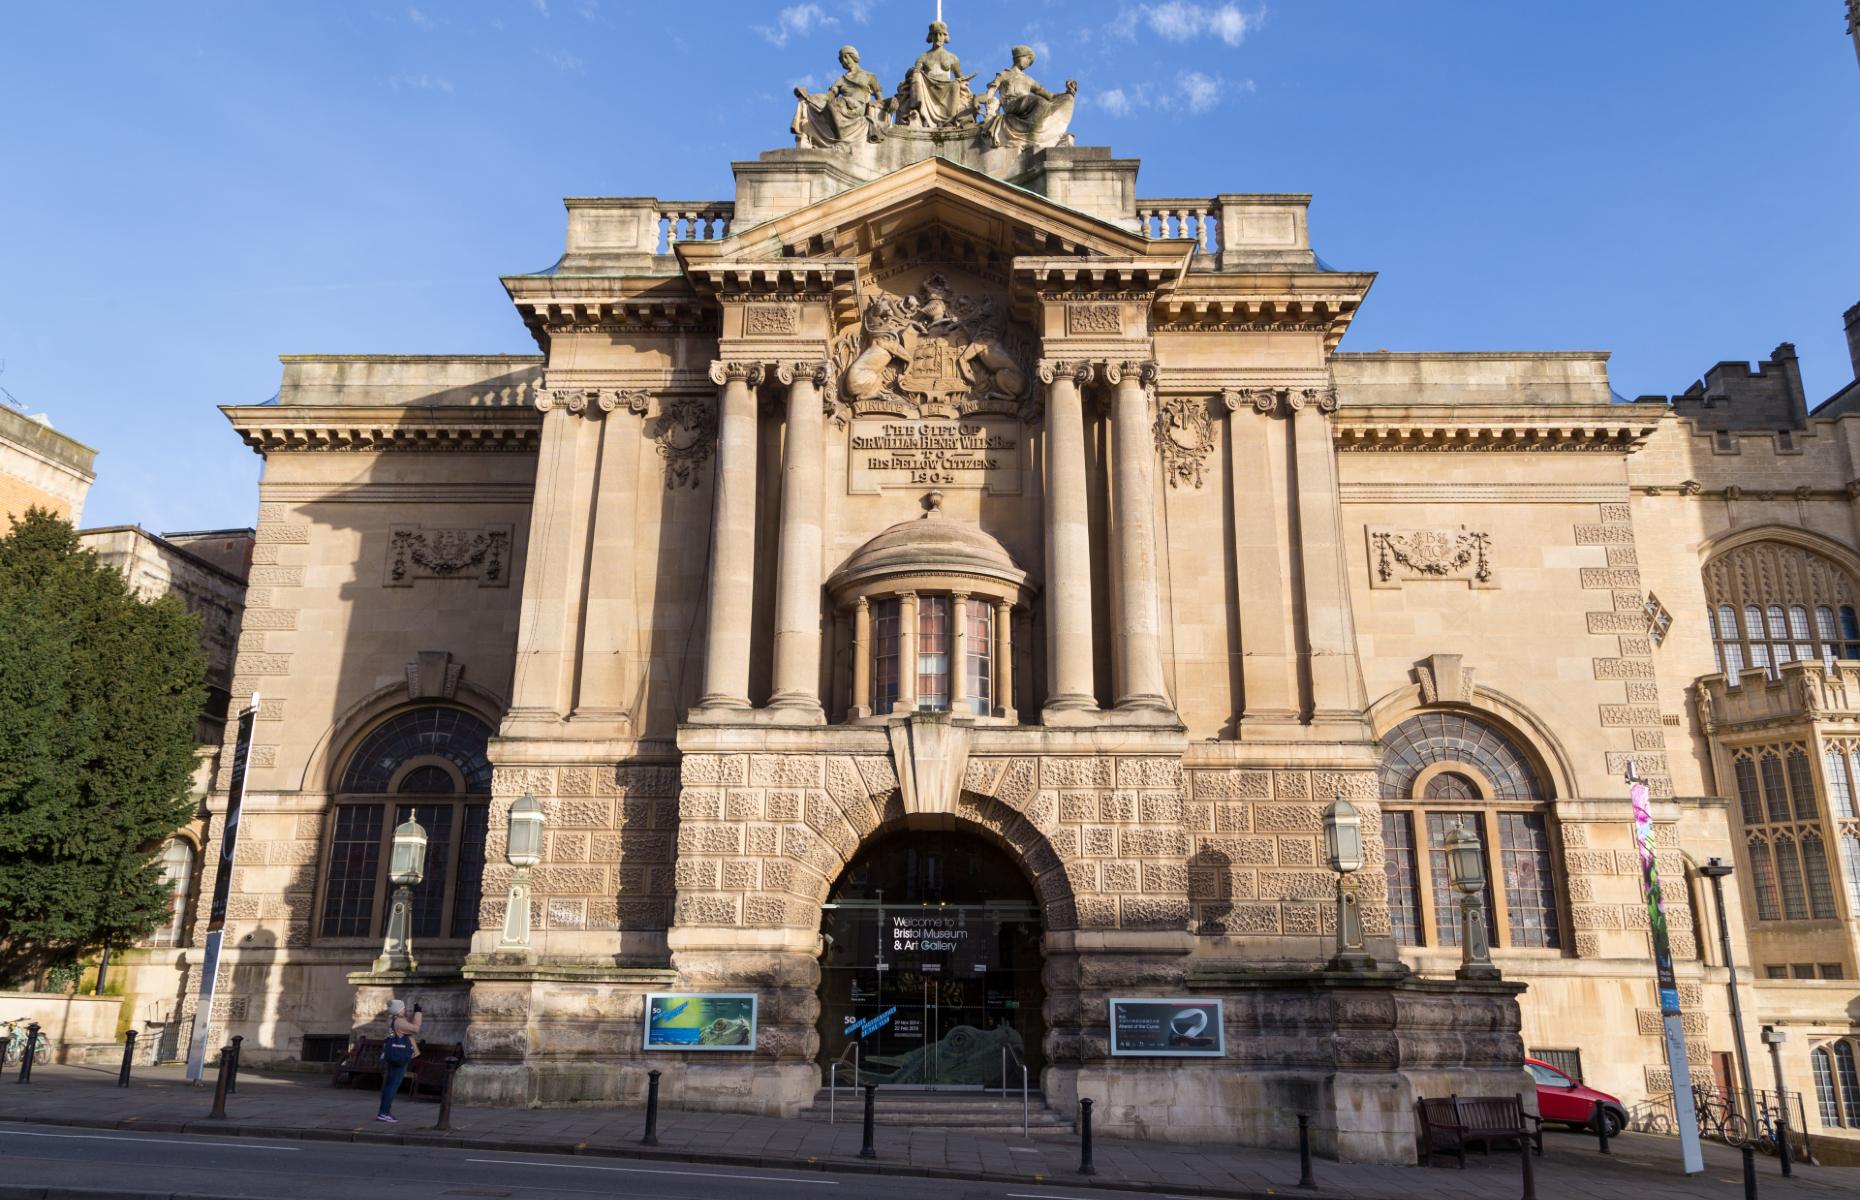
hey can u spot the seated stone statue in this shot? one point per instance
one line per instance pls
(935, 95)
(1017, 111)
(850, 110)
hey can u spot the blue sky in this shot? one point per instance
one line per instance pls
(189, 189)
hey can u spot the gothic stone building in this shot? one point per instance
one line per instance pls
(939, 591)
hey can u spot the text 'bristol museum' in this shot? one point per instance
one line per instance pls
(939, 592)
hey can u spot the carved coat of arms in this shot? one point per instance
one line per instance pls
(933, 353)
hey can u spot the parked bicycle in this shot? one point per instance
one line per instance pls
(16, 1044)
(1718, 1119)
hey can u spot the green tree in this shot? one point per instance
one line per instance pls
(99, 691)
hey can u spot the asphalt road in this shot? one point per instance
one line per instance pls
(130, 1164)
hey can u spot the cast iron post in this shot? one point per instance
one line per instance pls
(1085, 1167)
(129, 1053)
(31, 1047)
(871, 1118)
(1305, 1177)
(219, 1084)
(652, 1110)
(444, 1124)
(1601, 1127)
(1750, 1172)
(238, 1045)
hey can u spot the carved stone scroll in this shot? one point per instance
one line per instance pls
(482, 554)
(1184, 437)
(593, 402)
(1397, 556)
(687, 436)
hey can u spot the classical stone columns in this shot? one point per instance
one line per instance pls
(1068, 545)
(958, 652)
(798, 576)
(733, 538)
(1337, 690)
(907, 654)
(862, 658)
(1136, 634)
(1004, 660)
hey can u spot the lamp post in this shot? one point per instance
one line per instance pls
(1343, 847)
(1716, 869)
(406, 869)
(1466, 867)
(523, 850)
(1774, 1039)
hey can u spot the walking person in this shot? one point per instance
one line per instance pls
(397, 1054)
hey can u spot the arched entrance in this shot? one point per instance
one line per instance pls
(930, 965)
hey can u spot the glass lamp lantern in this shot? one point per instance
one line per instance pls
(408, 865)
(1343, 835)
(1466, 868)
(526, 831)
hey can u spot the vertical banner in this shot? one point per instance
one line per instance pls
(222, 887)
(1684, 1112)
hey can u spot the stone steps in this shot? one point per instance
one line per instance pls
(943, 1110)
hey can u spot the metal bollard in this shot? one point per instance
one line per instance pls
(26, 1053)
(129, 1054)
(444, 1124)
(1305, 1178)
(1782, 1143)
(652, 1110)
(232, 1084)
(1750, 1173)
(219, 1084)
(1601, 1127)
(871, 1120)
(1085, 1164)
(1530, 1171)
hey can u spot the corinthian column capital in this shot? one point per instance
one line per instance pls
(724, 371)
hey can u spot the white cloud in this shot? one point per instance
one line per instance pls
(1178, 21)
(796, 19)
(1198, 91)
(419, 18)
(1115, 102)
(422, 82)
(566, 63)
(541, 6)
(859, 10)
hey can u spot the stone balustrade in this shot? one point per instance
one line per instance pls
(691, 221)
(1801, 691)
(1198, 219)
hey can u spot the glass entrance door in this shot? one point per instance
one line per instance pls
(925, 992)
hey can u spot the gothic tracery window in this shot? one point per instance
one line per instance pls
(1790, 875)
(1442, 769)
(434, 763)
(1772, 603)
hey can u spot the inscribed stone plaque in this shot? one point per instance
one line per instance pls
(975, 452)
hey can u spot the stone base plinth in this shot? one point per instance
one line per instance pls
(1352, 1050)
(441, 994)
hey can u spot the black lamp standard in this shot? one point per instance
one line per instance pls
(1715, 869)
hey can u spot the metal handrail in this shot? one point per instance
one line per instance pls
(1025, 1103)
(833, 1077)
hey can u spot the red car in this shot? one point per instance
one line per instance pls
(1564, 1101)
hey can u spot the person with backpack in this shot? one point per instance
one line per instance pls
(397, 1054)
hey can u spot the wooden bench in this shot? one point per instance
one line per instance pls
(1449, 1125)
(427, 1072)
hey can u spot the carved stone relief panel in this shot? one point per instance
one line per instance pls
(1084, 319)
(416, 553)
(945, 349)
(1398, 556)
(687, 435)
(1184, 437)
(771, 320)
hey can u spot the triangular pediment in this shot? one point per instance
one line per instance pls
(933, 209)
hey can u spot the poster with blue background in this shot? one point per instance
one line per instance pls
(704, 1021)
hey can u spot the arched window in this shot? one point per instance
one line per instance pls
(434, 762)
(1774, 587)
(1823, 1064)
(1442, 769)
(177, 873)
(1849, 1079)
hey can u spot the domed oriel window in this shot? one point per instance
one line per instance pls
(932, 604)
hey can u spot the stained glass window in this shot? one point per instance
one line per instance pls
(354, 862)
(1530, 892)
(1446, 896)
(458, 737)
(1404, 884)
(1432, 737)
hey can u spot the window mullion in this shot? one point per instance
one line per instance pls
(1424, 879)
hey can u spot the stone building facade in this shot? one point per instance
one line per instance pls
(1173, 571)
(41, 467)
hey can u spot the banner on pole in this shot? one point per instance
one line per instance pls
(222, 888)
(1685, 1114)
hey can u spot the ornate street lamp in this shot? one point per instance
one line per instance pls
(406, 868)
(1343, 848)
(1466, 867)
(522, 850)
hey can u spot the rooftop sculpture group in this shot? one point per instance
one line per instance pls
(1013, 111)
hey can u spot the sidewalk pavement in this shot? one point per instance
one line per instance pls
(305, 1107)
